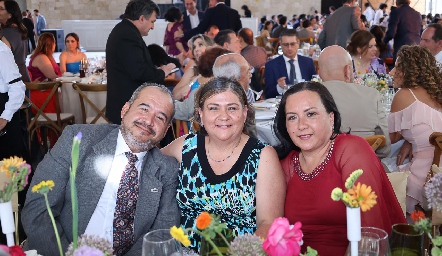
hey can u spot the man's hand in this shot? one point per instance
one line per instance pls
(167, 68)
(404, 152)
(3, 123)
(281, 82)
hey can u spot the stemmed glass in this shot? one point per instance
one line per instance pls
(161, 243)
(258, 94)
(374, 242)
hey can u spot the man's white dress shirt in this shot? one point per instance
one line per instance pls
(8, 73)
(194, 19)
(439, 57)
(297, 72)
(102, 220)
(369, 13)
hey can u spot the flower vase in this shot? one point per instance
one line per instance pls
(354, 229)
(7, 220)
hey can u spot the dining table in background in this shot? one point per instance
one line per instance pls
(70, 100)
(264, 117)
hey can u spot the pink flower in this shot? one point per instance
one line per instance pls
(283, 239)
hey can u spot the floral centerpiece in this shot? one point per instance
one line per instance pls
(84, 245)
(378, 81)
(17, 172)
(283, 239)
(421, 223)
(358, 197)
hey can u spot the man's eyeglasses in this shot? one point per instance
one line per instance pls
(293, 44)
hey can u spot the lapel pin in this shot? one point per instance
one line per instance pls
(154, 190)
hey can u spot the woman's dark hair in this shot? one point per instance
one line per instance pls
(160, 57)
(173, 14)
(45, 45)
(267, 24)
(75, 36)
(207, 59)
(379, 33)
(219, 85)
(359, 39)
(16, 17)
(286, 144)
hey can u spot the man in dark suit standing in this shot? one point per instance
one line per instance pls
(220, 15)
(404, 26)
(289, 68)
(125, 186)
(192, 16)
(128, 62)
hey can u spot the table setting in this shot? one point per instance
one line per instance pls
(265, 111)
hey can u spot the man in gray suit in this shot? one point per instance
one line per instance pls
(339, 26)
(360, 106)
(40, 22)
(101, 173)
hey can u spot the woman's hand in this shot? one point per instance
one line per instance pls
(404, 152)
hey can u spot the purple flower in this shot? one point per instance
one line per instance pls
(433, 191)
(78, 136)
(88, 251)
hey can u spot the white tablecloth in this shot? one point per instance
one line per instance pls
(70, 101)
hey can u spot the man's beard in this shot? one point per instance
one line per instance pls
(131, 139)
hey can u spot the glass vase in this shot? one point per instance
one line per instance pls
(207, 249)
(406, 241)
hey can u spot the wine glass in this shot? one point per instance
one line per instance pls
(161, 243)
(382, 236)
(405, 240)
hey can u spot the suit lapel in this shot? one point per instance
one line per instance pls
(282, 69)
(91, 179)
(302, 68)
(149, 195)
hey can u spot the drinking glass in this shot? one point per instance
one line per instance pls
(384, 245)
(160, 243)
(406, 241)
(374, 242)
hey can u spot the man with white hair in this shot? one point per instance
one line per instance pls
(230, 65)
(360, 106)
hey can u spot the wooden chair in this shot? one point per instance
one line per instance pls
(275, 43)
(81, 89)
(306, 40)
(261, 76)
(259, 41)
(46, 121)
(388, 62)
(316, 63)
(376, 141)
(178, 125)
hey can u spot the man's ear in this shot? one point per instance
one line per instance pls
(124, 109)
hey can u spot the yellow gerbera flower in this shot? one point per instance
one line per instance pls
(11, 162)
(178, 234)
(43, 187)
(364, 195)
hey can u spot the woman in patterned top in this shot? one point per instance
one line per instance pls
(223, 170)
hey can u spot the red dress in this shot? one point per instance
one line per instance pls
(38, 97)
(324, 220)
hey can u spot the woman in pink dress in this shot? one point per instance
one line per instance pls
(42, 66)
(416, 112)
(316, 158)
(174, 43)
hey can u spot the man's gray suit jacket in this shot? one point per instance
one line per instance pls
(361, 111)
(156, 205)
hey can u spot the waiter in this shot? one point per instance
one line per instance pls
(12, 93)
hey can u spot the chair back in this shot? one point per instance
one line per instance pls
(376, 141)
(436, 141)
(306, 40)
(53, 87)
(259, 41)
(275, 44)
(81, 89)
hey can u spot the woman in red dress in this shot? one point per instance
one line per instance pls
(316, 157)
(42, 66)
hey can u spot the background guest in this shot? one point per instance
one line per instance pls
(362, 48)
(416, 113)
(192, 16)
(220, 162)
(16, 34)
(199, 44)
(384, 50)
(173, 43)
(40, 23)
(29, 24)
(71, 57)
(42, 67)
(12, 94)
(247, 12)
(316, 158)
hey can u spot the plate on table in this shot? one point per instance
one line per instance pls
(264, 115)
(68, 79)
(263, 104)
(69, 74)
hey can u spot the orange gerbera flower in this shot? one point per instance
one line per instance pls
(203, 220)
(364, 195)
(417, 216)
